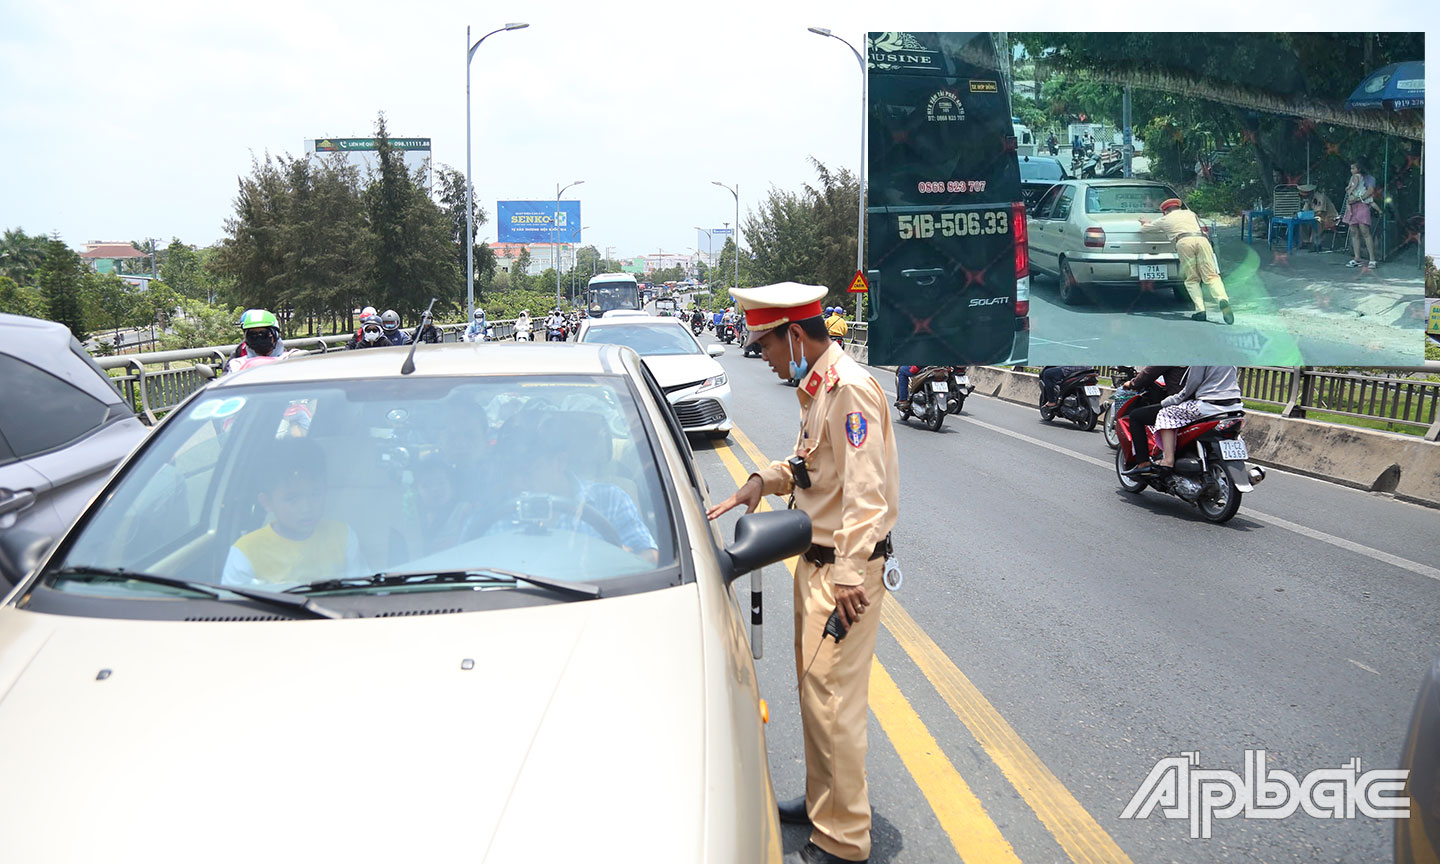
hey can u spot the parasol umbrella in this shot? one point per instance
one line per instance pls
(1397, 87)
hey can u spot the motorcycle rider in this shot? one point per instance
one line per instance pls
(390, 324)
(902, 384)
(262, 339)
(836, 324)
(430, 334)
(478, 330)
(1204, 392)
(697, 318)
(555, 321)
(1050, 378)
(523, 326)
(370, 335)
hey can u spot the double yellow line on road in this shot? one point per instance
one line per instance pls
(972, 832)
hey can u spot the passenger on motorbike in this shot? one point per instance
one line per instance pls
(1205, 392)
(371, 335)
(478, 330)
(836, 324)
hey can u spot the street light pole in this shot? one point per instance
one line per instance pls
(709, 239)
(469, 183)
(554, 256)
(736, 193)
(864, 112)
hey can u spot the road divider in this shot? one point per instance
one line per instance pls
(1406, 466)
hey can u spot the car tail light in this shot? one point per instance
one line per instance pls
(1011, 144)
(1095, 238)
(1021, 232)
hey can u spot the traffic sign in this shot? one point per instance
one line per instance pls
(858, 285)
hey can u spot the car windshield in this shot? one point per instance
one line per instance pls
(648, 340)
(1126, 199)
(1032, 170)
(282, 486)
(614, 295)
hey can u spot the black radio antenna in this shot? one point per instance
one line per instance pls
(425, 319)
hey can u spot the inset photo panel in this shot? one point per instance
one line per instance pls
(1058, 198)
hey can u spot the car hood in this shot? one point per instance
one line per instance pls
(578, 729)
(671, 370)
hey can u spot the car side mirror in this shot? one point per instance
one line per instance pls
(764, 538)
(20, 554)
(716, 350)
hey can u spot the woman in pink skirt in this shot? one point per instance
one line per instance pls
(1359, 198)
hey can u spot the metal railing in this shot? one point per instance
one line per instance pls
(155, 382)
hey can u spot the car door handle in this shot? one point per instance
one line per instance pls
(14, 502)
(925, 277)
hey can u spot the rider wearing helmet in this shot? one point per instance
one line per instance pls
(262, 335)
(479, 329)
(836, 325)
(371, 335)
(390, 323)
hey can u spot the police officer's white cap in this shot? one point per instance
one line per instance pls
(771, 306)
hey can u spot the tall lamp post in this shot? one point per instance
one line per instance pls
(710, 260)
(736, 193)
(559, 190)
(864, 110)
(470, 183)
(575, 257)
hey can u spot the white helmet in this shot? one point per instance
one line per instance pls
(367, 312)
(479, 314)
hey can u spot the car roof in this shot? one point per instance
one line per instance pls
(444, 360)
(50, 346)
(632, 320)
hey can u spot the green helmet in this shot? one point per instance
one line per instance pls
(258, 318)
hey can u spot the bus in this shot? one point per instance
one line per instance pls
(946, 238)
(607, 292)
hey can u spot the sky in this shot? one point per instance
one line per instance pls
(124, 121)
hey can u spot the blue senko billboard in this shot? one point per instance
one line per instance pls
(529, 221)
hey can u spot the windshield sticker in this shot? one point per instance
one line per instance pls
(229, 406)
(212, 408)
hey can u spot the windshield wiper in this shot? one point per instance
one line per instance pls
(481, 575)
(268, 598)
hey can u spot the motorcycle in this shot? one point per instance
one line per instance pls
(935, 391)
(523, 333)
(697, 327)
(1111, 164)
(555, 333)
(1079, 400)
(727, 333)
(1210, 470)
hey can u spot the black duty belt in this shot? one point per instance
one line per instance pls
(1222, 401)
(822, 555)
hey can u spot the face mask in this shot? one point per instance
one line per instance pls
(372, 335)
(262, 342)
(797, 370)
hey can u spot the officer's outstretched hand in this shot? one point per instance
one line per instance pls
(749, 495)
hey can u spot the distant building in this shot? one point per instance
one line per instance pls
(542, 256)
(105, 257)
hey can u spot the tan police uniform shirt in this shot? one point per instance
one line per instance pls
(848, 442)
(1177, 222)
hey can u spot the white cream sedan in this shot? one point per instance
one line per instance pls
(473, 613)
(693, 381)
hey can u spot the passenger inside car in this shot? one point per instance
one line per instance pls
(297, 545)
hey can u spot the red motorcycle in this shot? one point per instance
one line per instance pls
(1210, 468)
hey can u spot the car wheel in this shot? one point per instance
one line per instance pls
(1070, 291)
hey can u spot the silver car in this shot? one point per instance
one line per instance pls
(1087, 235)
(475, 612)
(63, 429)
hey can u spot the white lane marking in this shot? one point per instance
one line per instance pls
(1276, 521)
(1361, 665)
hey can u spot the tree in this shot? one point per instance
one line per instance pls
(519, 279)
(452, 187)
(412, 247)
(21, 255)
(111, 303)
(199, 325)
(59, 279)
(183, 271)
(16, 299)
(835, 205)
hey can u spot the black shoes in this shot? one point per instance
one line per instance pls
(1198, 316)
(793, 811)
(812, 854)
(1225, 310)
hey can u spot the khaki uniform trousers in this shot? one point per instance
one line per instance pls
(834, 708)
(1197, 264)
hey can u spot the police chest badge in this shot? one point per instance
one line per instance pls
(855, 428)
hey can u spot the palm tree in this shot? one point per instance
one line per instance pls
(21, 255)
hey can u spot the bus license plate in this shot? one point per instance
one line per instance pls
(940, 386)
(1150, 272)
(1233, 450)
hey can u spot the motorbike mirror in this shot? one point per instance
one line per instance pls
(715, 350)
(205, 370)
(765, 538)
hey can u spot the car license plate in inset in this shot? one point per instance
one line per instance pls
(1092, 390)
(940, 386)
(1150, 272)
(1234, 450)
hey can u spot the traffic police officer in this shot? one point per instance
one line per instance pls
(846, 477)
(1197, 259)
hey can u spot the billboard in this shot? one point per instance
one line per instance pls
(529, 221)
(415, 152)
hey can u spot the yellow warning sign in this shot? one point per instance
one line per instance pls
(858, 285)
(1433, 328)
